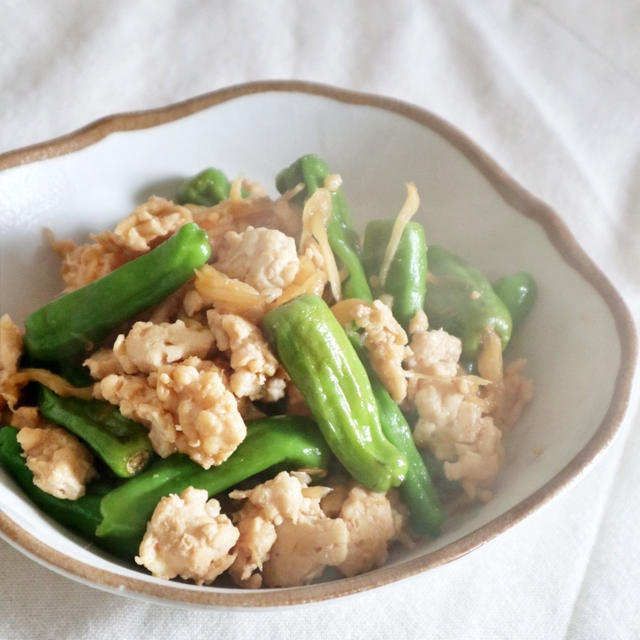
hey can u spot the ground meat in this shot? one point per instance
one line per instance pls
(87, 262)
(148, 346)
(10, 352)
(372, 524)
(147, 226)
(433, 353)
(103, 363)
(186, 406)
(257, 374)
(172, 307)
(386, 344)
(60, 463)
(264, 258)
(302, 550)
(257, 536)
(510, 391)
(461, 417)
(187, 536)
(286, 513)
(279, 498)
(516, 392)
(451, 423)
(238, 215)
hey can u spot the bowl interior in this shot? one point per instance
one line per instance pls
(376, 151)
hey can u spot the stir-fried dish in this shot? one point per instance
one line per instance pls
(232, 384)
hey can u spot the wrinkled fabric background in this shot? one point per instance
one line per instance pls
(550, 89)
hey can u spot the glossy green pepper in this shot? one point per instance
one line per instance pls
(407, 278)
(76, 373)
(311, 171)
(519, 293)
(290, 441)
(316, 353)
(116, 518)
(207, 188)
(71, 326)
(121, 443)
(417, 490)
(461, 301)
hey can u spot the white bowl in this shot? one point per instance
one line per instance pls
(88, 180)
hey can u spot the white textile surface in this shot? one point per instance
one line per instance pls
(550, 89)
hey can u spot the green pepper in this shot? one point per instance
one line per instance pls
(290, 440)
(77, 374)
(407, 277)
(116, 519)
(343, 238)
(122, 443)
(519, 293)
(316, 353)
(207, 188)
(71, 326)
(462, 301)
(417, 489)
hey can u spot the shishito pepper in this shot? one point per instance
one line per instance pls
(207, 188)
(116, 519)
(68, 328)
(419, 494)
(317, 355)
(311, 171)
(461, 300)
(289, 441)
(518, 292)
(121, 443)
(406, 281)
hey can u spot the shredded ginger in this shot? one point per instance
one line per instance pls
(407, 212)
(315, 217)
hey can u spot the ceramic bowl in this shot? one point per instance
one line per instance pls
(88, 180)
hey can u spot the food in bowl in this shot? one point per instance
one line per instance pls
(231, 385)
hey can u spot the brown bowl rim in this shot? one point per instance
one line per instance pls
(513, 193)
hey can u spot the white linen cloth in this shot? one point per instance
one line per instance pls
(551, 90)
